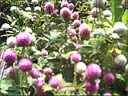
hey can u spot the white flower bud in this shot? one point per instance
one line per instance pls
(80, 67)
(5, 26)
(37, 8)
(11, 42)
(13, 8)
(120, 60)
(28, 9)
(119, 27)
(35, 2)
(107, 13)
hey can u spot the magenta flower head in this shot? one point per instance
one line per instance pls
(44, 53)
(93, 71)
(76, 23)
(71, 6)
(64, 4)
(76, 57)
(48, 72)
(107, 94)
(23, 39)
(49, 8)
(92, 87)
(11, 72)
(54, 82)
(75, 15)
(34, 73)
(9, 56)
(109, 78)
(25, 65)
(38, 84)
(84, 31)
(65, 13)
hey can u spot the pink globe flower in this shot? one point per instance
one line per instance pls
(75, 15)
(34, 73)
(9, 56)
(64, 4)
(11, 72)
(25, 65)
(107, 94)
(71, 6)
(93, 71)
(76, 57)
(76, 23)
(44, 53)
(54, 82)
(71, 32)
(109, 78)
(92, 87)
(48, 72)
(84, 31)
(23, 39)
(38, 84)
(49, 8)
(65, 13)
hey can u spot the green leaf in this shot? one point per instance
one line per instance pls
(125, 17)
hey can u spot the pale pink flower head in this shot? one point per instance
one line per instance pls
(34, 73)
(38, 84)
(93, 71)
(109, 78)
(23, 39)
(47, 71)
(49, 8)
(64, 4)
(71, 6)
(9, 56)
(107, 94)
(25, 64)
(75, 15)
(65, 13)
(76, 23)
(54, 82)
(71, 32)
(84, 31)
(76, 57)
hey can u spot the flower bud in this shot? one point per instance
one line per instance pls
(107, 94)
(76, 23)
(11, 42)
(54, 82)
(75, 15)
(35, 2)
(37, 9)
(64, 4)
(38, 84)
(119, 27)
(76, 57)
(49, 8)
(80, 67)
(47, 72)
(71, 6)
(5, 26)
(44, 53)
(34, 73)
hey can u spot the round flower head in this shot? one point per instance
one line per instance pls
(49, 8)
(80, 67)
(25, 64)
(38, 84)
(64, 4)
(54, 82)
(93, 71)
(35, 2)
(84, 31)
(71, 32)
(71, 6)
(47, 71)
(34, 73)
(37, 8)
(109, 78)
(9, 56)
(65, 13)
(119, 27)
(76, 23)
(11, 72)
(44, 53)
(76, 57)
(75, 15)
(107, 94)
(92, 87)
(11, 42)
(23, 39)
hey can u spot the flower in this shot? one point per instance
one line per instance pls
(76, 23)
(25, 64)
(92, 87)
(109, 78)
(120, 60)
(71, 6)
(35, 2)
(75, 15)
(28, 9)
(107, 94)
(38, 84)
(47, 71)
(76, 57)
(9, 56)
(23, 39)
(84, 30)
(80, 67)
(71, 32)
(107, 13)
(119, 27)
(11, 42)
(44, 53)
(93, 71)
(49, 8)
(5, 26)
(65, 13)
(37, 8)
(34, 73)
(54, 82)
(11, 72)
(64, 4)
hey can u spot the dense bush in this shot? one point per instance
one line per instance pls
(53, 48)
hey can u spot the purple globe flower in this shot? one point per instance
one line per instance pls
(38, 84)
(23, 39)
(84, 31)
(76, 57)
(44, 53)
(49, 8)
(9, 56)
(109, 78)
(54, 82)
(47, 71)
(75, 15)
(71, 6)
(65, 13)
(107, 94)
(34, 73)
(92, 87)
(76, 23)
(93, 71)
(25, 64)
